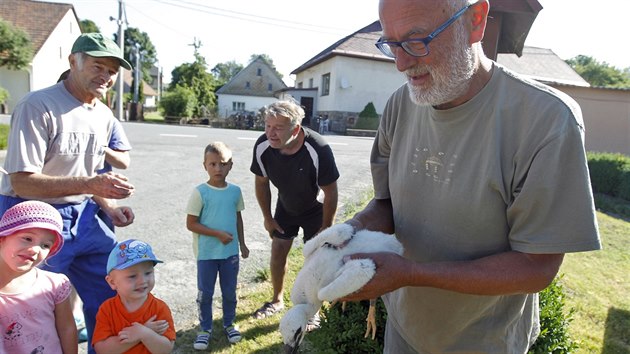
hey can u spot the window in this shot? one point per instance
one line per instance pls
(326, 84)
(269, 87)
(247, 85)
(299, 85)
(259, 72)
(310, 83)
(238, 106)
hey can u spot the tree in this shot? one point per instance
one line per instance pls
(16, 50)
(148, 58)
(224, 72)
(196, 77)
(600, 74)
(88, 26)
(268, 60)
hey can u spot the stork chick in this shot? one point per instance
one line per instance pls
(325, 277)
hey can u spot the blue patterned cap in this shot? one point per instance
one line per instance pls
(128, 253)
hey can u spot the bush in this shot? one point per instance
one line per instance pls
(4, 95)
(554, 322)
(368, 118)
(4, 133)
(342, 332)
(610, 174)
(180, 102)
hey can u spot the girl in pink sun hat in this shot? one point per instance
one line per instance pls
(34, 303)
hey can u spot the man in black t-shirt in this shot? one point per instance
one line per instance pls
(301, 165)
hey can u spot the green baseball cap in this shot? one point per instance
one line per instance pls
(96, 45)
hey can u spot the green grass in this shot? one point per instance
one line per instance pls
(153, 117)
(597, 286)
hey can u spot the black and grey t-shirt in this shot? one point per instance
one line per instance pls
(297, 177)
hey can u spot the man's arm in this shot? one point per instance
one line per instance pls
(36, 185)
(504, 273)
(331, 198)
(263, 196)
(376, 216)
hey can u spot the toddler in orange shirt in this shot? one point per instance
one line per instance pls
(133, 321)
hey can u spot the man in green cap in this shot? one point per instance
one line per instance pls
(56, 144)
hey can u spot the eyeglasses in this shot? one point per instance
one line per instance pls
(417, 47)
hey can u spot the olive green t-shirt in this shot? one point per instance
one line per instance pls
(504, 171)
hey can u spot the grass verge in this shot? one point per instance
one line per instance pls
(596, 285)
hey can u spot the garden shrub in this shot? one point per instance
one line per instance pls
(4, 134)
(623, 189)
(4, 95)
(368, 118)
(607, 171)
(342, 332)
(554, 322)
(180, 102)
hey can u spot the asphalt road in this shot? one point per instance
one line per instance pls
(166, 164)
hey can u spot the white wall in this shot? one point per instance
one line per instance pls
(17, 83)
(52, 58)
(252, 103)
(354, 83)
(47, 64)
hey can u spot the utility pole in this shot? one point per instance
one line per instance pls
(136, 76)
(121, 73)
(159, 83)
(196, 44)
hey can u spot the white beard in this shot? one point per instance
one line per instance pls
(450, 78)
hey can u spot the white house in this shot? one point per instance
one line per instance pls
(250, 89)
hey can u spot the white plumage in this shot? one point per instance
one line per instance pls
(325, 277)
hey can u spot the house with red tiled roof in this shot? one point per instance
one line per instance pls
(52, 29)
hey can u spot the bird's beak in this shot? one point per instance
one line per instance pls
(291, 350)
(297, 339)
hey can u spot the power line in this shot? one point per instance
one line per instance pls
(253, 18)
(141, 12)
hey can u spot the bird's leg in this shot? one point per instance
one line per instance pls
(371, 320)
(343, 305)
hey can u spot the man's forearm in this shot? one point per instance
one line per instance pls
(331, 200)
(36, 185)
(263, 196)
(377, 216)
(500, 274)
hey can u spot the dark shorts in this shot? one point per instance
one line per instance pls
(310, 222)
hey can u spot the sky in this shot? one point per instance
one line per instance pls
(291, 32)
